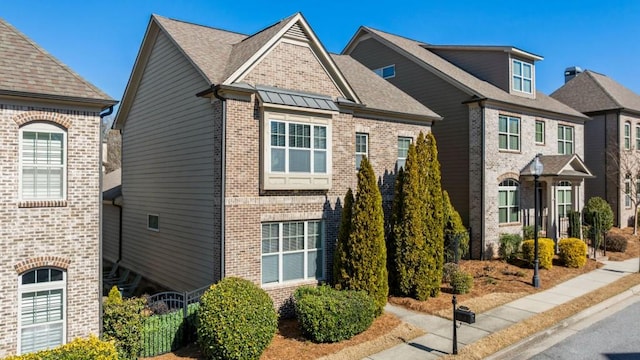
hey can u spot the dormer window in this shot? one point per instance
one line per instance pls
(386, 72)
(522, 76)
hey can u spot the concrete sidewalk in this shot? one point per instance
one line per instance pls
(438, 340)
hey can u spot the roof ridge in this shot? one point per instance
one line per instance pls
(268, 27)
(199, 25)
(400, 36)
(54, 59)
(604, 90)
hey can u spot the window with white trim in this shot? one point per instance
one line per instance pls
(627, 136)
(296, 152)
(153, 222)
(403, 150)
(637, 137)
(564, 198)
(627, 191)
(292, 251)
(41, 310)
(508, 201)
(508, 133)
(386, 72)
(522, 76)
(43, 162)
(565, 140)
(362, 147)
(539, 132)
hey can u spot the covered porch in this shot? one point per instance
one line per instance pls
(560, 190)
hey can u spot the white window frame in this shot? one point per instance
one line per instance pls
(564, 188)
(562, 140)
(43, 127)
(637, 137)
(402, 161)
(381, 71)
(627, 135)
(521, 76)
(157, 229)
(306, 251)
(45, 286)
(359, 153)
(627, 191)
(290, 180)
(508, 134)
(511, 188)
(542, 134)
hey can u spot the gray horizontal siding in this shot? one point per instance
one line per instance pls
(452, 133)
(110, 232)
(169, 169)
(491, 66)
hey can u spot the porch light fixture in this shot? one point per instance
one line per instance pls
(536, 169)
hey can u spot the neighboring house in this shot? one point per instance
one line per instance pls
(495, 122)
(49, 198)
(111, 216)
(612, 133)
(237, 151)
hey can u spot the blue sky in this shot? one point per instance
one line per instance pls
(100, 39)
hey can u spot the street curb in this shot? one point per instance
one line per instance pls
(511, 351)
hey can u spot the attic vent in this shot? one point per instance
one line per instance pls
(296, 32)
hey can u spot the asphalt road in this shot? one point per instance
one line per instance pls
(615, 337)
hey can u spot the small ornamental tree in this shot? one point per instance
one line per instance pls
(365, 267)
(340, 274)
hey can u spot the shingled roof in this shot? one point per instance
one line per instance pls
(476, 88)
(217, 54)
(28, 70)
(591, 92)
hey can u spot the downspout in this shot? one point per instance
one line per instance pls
(222, 180)
(100, 289)
(482, 200)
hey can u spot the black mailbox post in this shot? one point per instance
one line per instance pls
(463, 314)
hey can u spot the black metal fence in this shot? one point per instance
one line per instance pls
(172, 322)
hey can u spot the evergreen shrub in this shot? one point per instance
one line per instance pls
(448, 270)
(461, 282)
(546, 249)
(509, 246)
(90, 348)
(236, 320)
(328, 315)
(600, 206)
(616, 242)
(122, 322)
(573, 252)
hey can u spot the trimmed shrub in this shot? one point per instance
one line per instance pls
(122, 322)
(448, 270)
(509, 246)
(236, 320)
(573, 252)
(616, 242)
(528, 232)
(161, 330)
(327, 315)
(456, 236)
(546, 249)
(461, 282)
(575, 222)
(600, 206)
(340, 256)
(78, 349)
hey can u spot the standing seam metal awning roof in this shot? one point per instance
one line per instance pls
(273, 95)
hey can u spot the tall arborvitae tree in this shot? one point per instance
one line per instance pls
(397, 214)
(340, 274)
(418, 234)
(365, 268)
(435, 213)
(455, 234)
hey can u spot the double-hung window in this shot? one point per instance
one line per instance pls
(362, 147)
(292, 251)
(403, 150)
(627, 136)
(297, 153)
(42, 162)
(539, 132)
(41, 316)
(627, 191)
(522, 76)
(509, 133)
(564, 198)
(508, 202)
(565, 140)
(637, 137)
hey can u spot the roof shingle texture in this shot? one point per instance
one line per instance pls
(27, 68)
(591, 91)
(472, 84)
